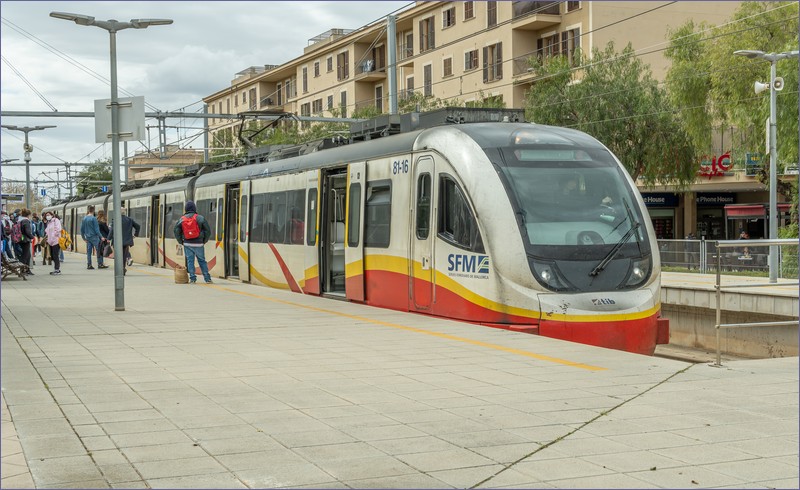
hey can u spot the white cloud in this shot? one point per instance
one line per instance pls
(173, 66)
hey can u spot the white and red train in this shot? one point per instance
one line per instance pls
(470, 221)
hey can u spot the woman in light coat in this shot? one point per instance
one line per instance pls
(52, 233)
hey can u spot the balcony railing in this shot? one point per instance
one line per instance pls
(521, 9)
(368, 66)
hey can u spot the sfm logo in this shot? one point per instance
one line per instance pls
(603, 301)
(476, 264)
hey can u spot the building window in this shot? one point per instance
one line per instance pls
(305, 79)
(469, 10)
(253, 99)
(316, 106)
(279, 93)
(228, 105)
(316, 69)
(570, 43)
(408, 48)
(427, 34)
(447, 67)
(449, 18)
(493, 62)
(244, 98)
(288, 86)
(305, 109)
(343, 66)
(343, 104)
(491, 14)
(330, 102)
(573, 6)
(471, 60)
(409, 86)
(456, 222)
(379, 98)
(329, 62)
(427, 80)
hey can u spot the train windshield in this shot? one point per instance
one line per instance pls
(578, 215)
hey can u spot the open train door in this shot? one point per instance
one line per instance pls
(161, 238)
(244, 236)
(230, 229)
(354, 249)
(421, 262)
(154, 222)
(311, 274)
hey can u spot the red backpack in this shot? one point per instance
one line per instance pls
(190, 227)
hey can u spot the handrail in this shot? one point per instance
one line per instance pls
(718, 286)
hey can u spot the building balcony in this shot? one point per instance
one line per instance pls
(366, 71)
(535, 16)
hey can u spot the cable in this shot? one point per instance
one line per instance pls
(29, 84)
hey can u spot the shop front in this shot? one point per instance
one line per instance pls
(661, 207)
(752, 219)
(711, 217)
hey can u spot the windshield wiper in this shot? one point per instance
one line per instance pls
(614, 251)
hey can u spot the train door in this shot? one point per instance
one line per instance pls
(332, 225)
(311, 240)
(230, 223)
(153, 223)
(243, 250)
(354, 249)
(422, 235)
(161, 238)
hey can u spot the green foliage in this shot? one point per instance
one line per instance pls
(615, 99)
(712, 86)
(100, 170)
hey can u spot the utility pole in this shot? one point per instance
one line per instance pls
(28, 149)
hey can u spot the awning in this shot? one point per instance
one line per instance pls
(745, 210)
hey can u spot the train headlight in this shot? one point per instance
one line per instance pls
(548, 274)
(639, 272)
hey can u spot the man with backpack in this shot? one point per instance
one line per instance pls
(192, 231)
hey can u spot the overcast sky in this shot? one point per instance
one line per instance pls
(172, 66)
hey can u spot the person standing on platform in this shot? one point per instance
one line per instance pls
(26, 243)
(130, 229)
(102, 223)
(90, 232)
(192, 231)
(52, 234)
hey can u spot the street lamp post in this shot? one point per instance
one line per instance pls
(113, 26)
(772, 58)
(28, 149)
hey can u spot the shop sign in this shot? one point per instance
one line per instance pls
(715, 167)
(660, 200)
(713, 199)
(753, 163)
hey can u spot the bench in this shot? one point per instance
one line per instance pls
(15, 267)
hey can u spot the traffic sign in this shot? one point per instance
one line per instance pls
(104, 188)
(44, 192)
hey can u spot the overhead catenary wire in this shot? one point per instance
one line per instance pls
(28, 83)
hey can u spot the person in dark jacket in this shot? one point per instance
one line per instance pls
(194, 247)
(90, 232)
(26, 227)
(130, 229)
(102, 223)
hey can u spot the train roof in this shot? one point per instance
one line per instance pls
(494, 135)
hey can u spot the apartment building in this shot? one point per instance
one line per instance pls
(448, 50)
(467, 50)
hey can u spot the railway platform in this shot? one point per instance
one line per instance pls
(229, 385)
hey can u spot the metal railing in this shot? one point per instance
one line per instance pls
(701, 256)
(720, 244)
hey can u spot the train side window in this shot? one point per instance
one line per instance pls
(457, 224)
(354, 218)
(423, 206)
(257, 221)
(311, 217)
(378, 214)
(296, 223)
(243, 220)
(276, 217)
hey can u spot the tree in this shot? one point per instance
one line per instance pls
(96, 175)
(614, 98)
(714, 87)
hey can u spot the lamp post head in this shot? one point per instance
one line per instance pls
(750, 53)
(10, 126)
(145, 23)
(43, 127)
(84, 20)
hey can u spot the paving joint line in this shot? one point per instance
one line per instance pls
(593, 419)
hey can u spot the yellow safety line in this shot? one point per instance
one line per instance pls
(510, 350)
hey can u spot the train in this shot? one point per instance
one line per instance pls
(512, 225)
